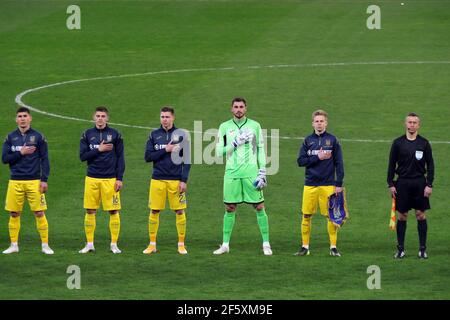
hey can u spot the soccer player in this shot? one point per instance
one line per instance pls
(167, 147)
(321, 155)
(25, 150)
(410, 158)
(102, 148)
(240, 139)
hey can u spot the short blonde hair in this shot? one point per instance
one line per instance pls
(319, 112)
(413, 114)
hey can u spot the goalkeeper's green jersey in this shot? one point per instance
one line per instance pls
(245, 160)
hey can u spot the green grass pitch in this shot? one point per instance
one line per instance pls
(364, 101)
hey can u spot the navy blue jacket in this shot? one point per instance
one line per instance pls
(109, 164)
(164, 168)
(327, 172)
(33, 166)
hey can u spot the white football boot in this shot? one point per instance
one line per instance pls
(14, 247)
(88, 248)
(115, 249)
(181, 248)
(266, 249)
(46, 249)
(224, 248)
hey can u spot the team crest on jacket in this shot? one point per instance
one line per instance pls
(328, 142)
(175, 138)
(32, 139)
(419, 155)
(109, 138)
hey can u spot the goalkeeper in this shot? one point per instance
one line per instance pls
(240, 139)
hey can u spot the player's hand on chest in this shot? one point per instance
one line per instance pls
(319, 146)
(25, 144)
(103, 141)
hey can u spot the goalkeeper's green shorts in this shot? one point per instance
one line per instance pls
(238, 190)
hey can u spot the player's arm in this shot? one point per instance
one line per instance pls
(303, 159)
(430, 165)
(338, 164)
(43, 156)
(85, 152)
(45, 164)
(8, 156)
(391, 164)
(186, 155)
(150, 153)
(223, 147)
(261, 179)
(430, 170)
(120, 164)
(260, 149)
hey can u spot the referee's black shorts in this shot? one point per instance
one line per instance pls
(410, 195)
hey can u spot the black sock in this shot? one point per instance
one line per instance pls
(401, 231)
(422, 228)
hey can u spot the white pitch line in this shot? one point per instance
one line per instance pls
(20, 96)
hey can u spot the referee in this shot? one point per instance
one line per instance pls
(411, 158)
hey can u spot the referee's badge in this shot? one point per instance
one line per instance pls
(419, 155)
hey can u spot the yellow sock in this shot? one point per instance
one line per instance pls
(14, 228)
(42, 226)
(153, 225)
(181, 227)
(89, 226)
(114, 226)
(332, 232)
(306, 230)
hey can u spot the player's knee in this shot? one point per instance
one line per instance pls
(113, 212)
(15, 214)
(420, 215)
(155, 211)
(39, 213)
(91, 211)
(230, 207)
(259, 206)
(179, 211)
(307, 216)
(402, 216)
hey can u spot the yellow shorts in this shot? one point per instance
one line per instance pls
(18, 190)
(316, 196)
(96, 189)
(160, 190)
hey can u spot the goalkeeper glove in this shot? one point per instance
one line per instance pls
(242, 137)
(261, 181)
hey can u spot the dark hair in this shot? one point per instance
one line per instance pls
(238, 99)
(23, 109)
(102, 109)
(168, 109)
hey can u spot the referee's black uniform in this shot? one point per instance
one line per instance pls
(412, 161)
